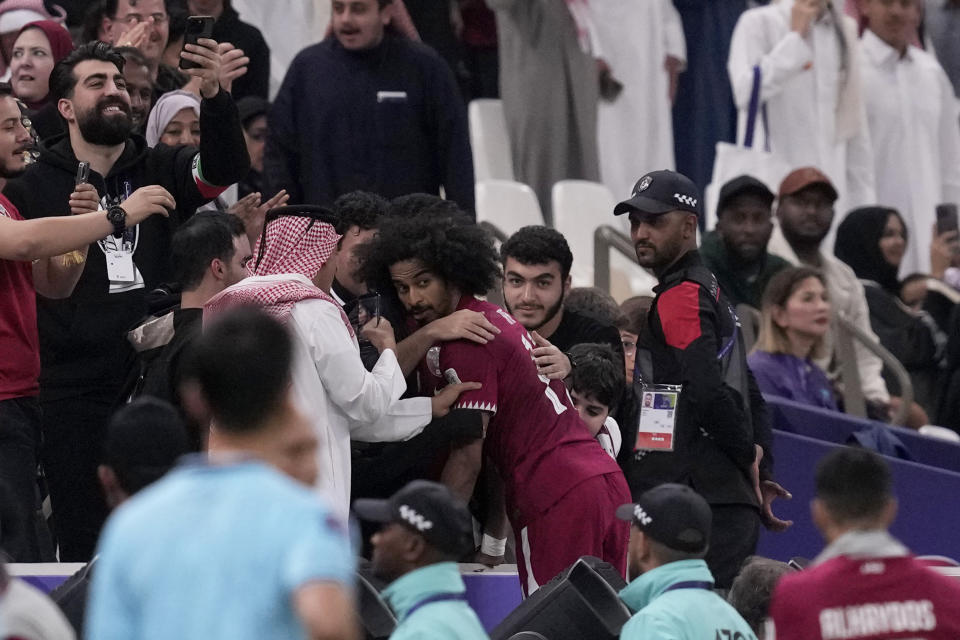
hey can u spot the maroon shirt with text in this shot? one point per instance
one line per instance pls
(535, 437)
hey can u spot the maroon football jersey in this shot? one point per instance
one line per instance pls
(535, 436)
(849, 598)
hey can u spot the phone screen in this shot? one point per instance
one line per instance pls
(946, 217)
(197, 27)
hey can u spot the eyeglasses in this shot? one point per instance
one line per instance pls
(315, 213)
(133, 19)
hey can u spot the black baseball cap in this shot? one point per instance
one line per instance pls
(427, 508)
(661, 192)
(672, 514)
(744, 185)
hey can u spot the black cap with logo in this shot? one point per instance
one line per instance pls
(672, 514)
(427, 508)
(660, 192)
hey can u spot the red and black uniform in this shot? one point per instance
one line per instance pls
(867, 598)
(692, 338)
(561, 488)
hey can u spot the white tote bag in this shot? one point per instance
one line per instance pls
(733, 160)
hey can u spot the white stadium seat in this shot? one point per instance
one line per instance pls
(507, 205)
(489, 140)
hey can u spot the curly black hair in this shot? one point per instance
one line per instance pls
(415, 204)
(462, 255)
(597, 372)
(537, 244)
(360, 209)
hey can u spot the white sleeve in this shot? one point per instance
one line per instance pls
(363, 396)
(861, 184)
(674, 42)
(869, 364)
(949, 141)
(778, 65)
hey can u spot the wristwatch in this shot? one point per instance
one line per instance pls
(118, 218)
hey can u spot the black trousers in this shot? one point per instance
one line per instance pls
(733, 538)
(19, 448)
(74, 426)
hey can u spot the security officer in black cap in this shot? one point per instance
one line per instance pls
(426, 530)
(703, 422)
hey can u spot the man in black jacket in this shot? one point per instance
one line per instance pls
(721, 434)
(368, 110)
(81, 338)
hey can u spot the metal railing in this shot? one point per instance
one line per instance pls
(854, 401)
(606, 238)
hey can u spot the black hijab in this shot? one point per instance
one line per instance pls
(858, 245)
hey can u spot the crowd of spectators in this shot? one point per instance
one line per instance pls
(270, 259)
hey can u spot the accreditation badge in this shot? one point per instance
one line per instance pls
(658, 414)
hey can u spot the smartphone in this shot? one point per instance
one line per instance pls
(946, 217)
(368, 307)
(83, 173)
(197, 27)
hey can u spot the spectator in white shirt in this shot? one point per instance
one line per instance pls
(809, 59)
(913, 123)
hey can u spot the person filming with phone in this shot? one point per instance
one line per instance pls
(872, 241)
(82, 337)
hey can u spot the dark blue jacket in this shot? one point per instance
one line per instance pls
(388, 120)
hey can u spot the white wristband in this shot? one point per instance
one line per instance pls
(493, 547)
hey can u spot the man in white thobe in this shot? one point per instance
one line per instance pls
(809, 59)
(642, 42)
(290, 279)
(913, 123)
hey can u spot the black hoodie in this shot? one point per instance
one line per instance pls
(82, 337)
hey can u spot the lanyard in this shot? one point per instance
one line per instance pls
(440, 597)
(692, 584)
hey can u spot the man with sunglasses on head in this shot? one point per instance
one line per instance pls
(82, 337)
(294, 264)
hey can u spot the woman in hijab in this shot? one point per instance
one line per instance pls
(175, 119)
(38, 47)
(872, 241)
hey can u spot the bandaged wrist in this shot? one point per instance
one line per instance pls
(492, 546)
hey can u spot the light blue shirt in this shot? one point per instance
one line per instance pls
(214, 552)
(440, 620)
(679, 614)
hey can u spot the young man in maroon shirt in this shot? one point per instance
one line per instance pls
(865, 585)
(559, 486)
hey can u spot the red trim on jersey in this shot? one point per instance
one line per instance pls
(679, 310)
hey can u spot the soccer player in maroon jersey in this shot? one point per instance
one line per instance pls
(560, 488)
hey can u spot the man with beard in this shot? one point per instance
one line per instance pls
(536, 280)
(53, 275)
(81, 338)
(805, 213)
(736, 251)
(370, 110)
(712, 430)
(425, 530)
(559, 488)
